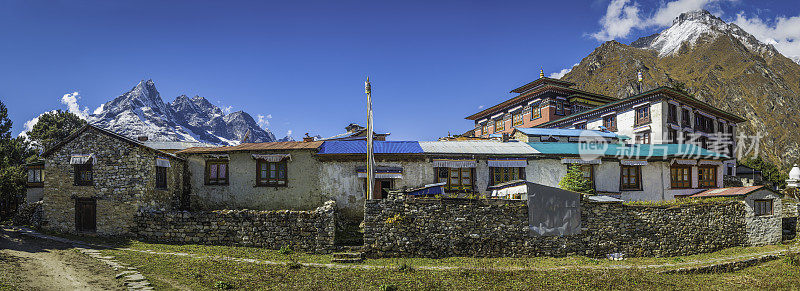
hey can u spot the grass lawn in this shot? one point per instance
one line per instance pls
(170, 272)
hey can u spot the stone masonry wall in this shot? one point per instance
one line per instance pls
(124, 183)
(494, 228)
(308, 231)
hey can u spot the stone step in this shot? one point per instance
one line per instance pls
(351, 255)
(347, 260)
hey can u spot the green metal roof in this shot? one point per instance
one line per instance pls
(637, 151)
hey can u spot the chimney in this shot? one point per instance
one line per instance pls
(308, 138)
(142, 138)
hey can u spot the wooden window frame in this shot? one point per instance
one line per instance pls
(637, 186)
(36, 183)
(517, 119)
(591, 172)
(686, 117)
(502, 122)
(642, 136)
(642, 115)
(272, 182)
(560, 110)
(672, 113)
(678, 183)
(760, 207)
(217, 181)
(450, 187)
(80, 179)
(495, 172)
(536, 111)
(610, 122)
(707, 183)
(162, 178)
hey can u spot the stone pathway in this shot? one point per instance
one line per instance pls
(689, 266)
(132, 279)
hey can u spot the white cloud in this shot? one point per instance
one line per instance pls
(263, 121)
(71, 100)
(782, 32)
(99, 109)
(622, 16)
(618, 21)
(28, 125)
(481, 107)
(289, 132)
(559, 74)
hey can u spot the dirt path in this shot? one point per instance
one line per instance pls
(48, 265)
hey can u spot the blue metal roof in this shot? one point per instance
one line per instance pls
(360, 147)
(628, 151)
(564, 132)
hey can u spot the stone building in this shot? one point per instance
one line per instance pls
(96, 181)
(259, 176)
(34, 189)
(763, 211)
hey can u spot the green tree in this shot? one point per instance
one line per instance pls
(53, 127)
(575, 181)
(769, 171)
(14, 152)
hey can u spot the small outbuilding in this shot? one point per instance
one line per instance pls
(764, 212)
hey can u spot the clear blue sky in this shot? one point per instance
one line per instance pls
(304, 62)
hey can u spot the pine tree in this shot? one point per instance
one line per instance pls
(575, 181)
(14, 152)
(53, 127)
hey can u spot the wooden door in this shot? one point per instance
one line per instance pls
(380, 187)
(85, 214)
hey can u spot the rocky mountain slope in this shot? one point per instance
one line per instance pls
(142, 112)
(720, 64)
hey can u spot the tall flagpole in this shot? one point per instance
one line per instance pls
(370, 153)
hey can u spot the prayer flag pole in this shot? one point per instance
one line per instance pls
(370, 153)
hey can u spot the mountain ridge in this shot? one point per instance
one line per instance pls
(719, 63)
(142, 112)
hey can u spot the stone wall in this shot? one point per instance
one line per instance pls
(124, 183)
(308, 231)
(493, 228)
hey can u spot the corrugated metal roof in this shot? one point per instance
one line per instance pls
(263, 146)
(727, 192)
(630, 151)
(340, 147)
(565, 132)
(174, 145)
(477, 147)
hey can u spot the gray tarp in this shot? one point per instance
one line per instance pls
(553, 211)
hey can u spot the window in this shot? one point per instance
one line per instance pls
(707, 176)
(672, 113)
(686, 120)
(536, 111)
(630, 178)
(83, 175)
(610, 122)
(502, 175)
(485, 130)
(672, 136)
(217, 172)
(458, 179)
(271, 174)
(161, 177)
(499, 125)
(642, 115)
(517, 119)
(643, 137)
(35, 176)
(580, 126)
(559, 108)
(703, 123)
(680, 177)
(762, 207)
(720, 127)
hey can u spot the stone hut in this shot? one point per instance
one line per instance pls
(96, 181)
(763, 212)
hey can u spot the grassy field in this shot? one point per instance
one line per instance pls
(174, 273)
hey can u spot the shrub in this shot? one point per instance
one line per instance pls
(387, 287)
(575, 181)
(405, 268)
(285, 250)
(792, 258)
(293, 265)
(223, 285)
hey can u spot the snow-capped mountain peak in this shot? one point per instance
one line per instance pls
(689, 27)
(142, 112)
